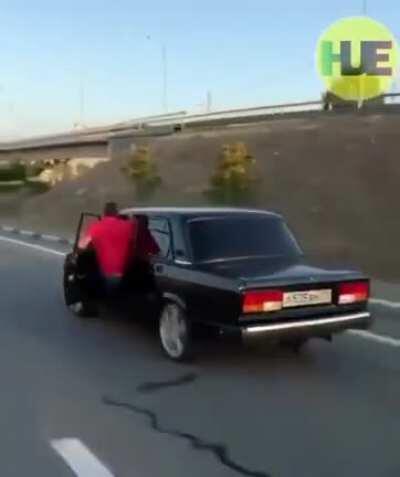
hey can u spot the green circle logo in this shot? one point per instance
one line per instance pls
(357, 58)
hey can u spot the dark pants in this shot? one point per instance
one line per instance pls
(112, 285)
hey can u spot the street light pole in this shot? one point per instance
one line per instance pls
(365, 7)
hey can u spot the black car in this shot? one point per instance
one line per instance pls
(237, 271)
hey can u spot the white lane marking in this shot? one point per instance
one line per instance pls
(79, 458)
(6, 228)
(380, 301)
(51, 238)
(32, 246)
(27, 233)
(387, 340)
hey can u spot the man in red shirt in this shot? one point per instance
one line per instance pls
(113, 239)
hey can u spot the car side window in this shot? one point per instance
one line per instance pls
(159, 229)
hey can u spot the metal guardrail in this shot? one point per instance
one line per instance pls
(176, 120)
(392, 98)
(243, 113)
(141, 122)
(97, 135)
(254, 113)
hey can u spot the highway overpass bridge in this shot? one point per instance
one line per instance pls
(118, 138)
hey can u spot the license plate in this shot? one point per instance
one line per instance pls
(307, 298)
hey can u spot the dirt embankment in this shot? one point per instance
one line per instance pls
(335, 178)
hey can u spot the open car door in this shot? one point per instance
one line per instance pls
(72, 281)
(86, 219)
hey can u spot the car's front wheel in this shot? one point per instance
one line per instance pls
(84, 309)
(175, 332)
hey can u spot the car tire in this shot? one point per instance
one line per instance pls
(175, 332)
(84, 309)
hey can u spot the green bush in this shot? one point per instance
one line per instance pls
(37, 186)
(233, 181)
(13, 172)
(143, 171)
(11, 186)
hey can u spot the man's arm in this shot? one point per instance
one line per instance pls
(86, 240)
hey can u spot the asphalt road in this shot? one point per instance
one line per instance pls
(104, 385)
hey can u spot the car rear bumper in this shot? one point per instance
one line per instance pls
(323, 326)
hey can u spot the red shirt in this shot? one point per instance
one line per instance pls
(113, 240)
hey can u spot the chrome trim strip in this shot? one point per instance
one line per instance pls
(308, 323)
(182, 262)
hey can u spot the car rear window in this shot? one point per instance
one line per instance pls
(218, 238)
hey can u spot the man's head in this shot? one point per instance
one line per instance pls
(110, 209)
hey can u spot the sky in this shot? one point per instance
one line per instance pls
(246, 53)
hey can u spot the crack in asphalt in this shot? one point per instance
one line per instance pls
(220, 451)
(151, 387)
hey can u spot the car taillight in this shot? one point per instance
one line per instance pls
(353, 292)
(262, 301)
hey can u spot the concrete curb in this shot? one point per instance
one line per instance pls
(36, 235)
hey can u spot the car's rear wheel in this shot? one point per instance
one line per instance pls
(175, 332)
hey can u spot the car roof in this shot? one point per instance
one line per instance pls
(196, 211)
